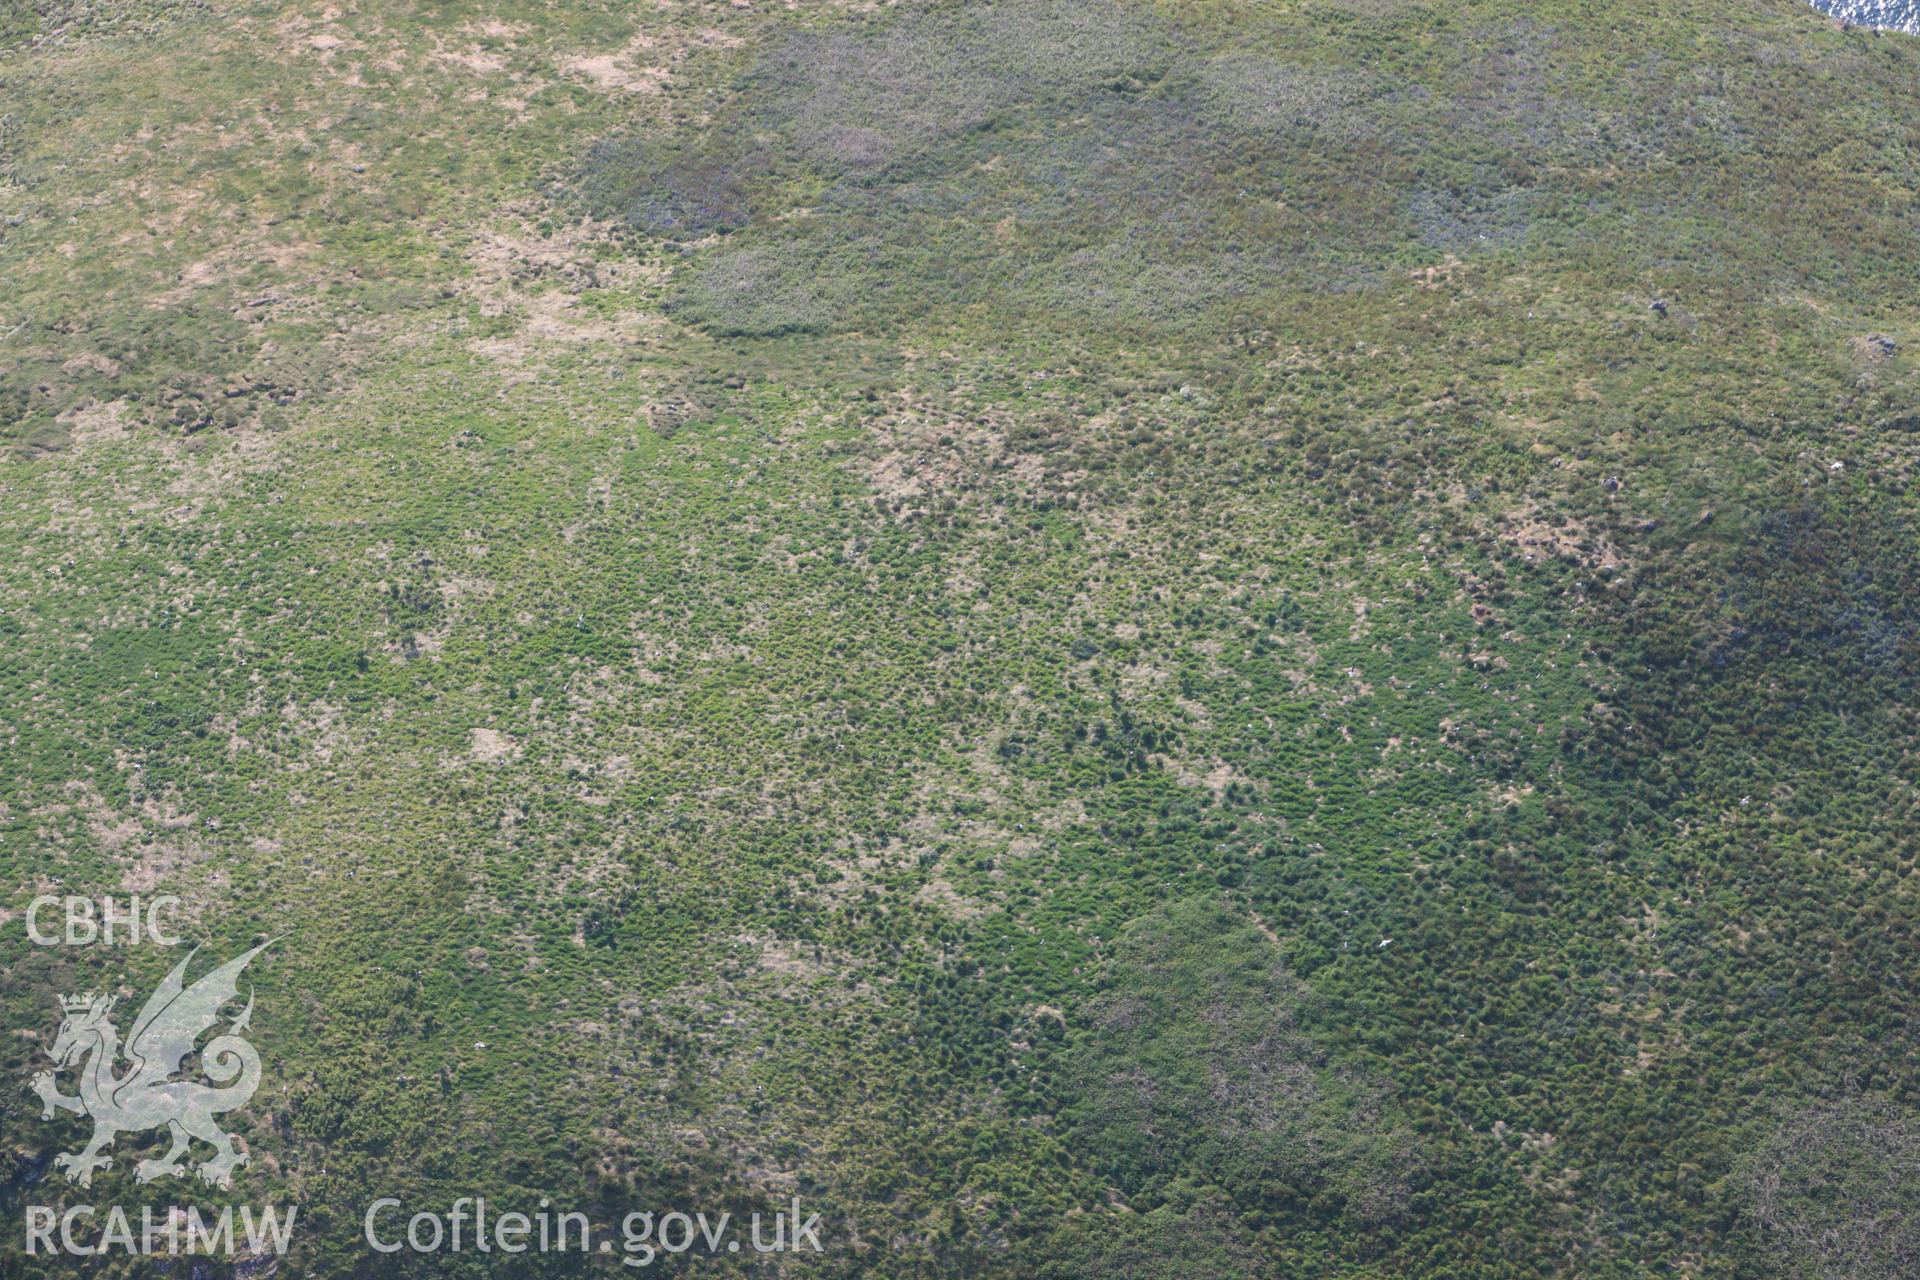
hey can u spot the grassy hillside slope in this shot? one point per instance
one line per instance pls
(1190, 639)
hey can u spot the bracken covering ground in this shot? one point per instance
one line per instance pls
(1109, 639)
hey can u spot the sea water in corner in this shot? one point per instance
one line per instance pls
(1895, 15)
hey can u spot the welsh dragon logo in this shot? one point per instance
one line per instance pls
(146, 1095)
